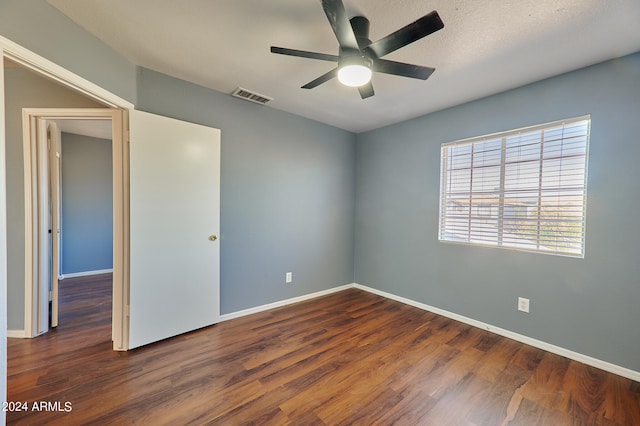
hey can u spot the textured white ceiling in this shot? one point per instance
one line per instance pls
(486, 46)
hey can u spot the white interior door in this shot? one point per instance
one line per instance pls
(174, 222)
(42, 231)
(55, 152)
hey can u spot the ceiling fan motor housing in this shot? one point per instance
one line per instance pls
(360, 56)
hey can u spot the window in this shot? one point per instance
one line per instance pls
(523, 189)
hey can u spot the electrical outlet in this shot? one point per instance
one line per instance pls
(288, 277)
(523, 304)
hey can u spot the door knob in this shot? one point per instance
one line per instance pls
(213, 237)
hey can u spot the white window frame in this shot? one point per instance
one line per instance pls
(499, 191)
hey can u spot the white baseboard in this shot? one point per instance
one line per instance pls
(576, 356)
(86, 273)
(19, 334)
(245, 312)
(594, 362)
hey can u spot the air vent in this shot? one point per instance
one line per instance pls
(251, 96)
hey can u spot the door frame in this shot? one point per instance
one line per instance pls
(36, 213)
(118, 109)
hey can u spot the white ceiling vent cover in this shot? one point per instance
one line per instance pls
(251, 96)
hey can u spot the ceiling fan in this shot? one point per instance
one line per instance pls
(358, 57)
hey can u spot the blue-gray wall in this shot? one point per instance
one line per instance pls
(87, 204)
(586, 305)
(287, 193)
(41, 28)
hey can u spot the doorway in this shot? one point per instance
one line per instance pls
(42, 219)
(80, 205)
(118, 109)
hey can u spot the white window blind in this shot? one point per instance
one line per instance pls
(523, 189)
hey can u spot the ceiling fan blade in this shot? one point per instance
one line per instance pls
(424, 26)
(323, 78)
(337, 16)
(402, 69)
(366, 90)
(304, 54)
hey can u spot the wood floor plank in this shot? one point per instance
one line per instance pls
(350, 358)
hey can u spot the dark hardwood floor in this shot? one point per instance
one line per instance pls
(344, 359)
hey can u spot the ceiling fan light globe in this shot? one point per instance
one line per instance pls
(354, 75)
